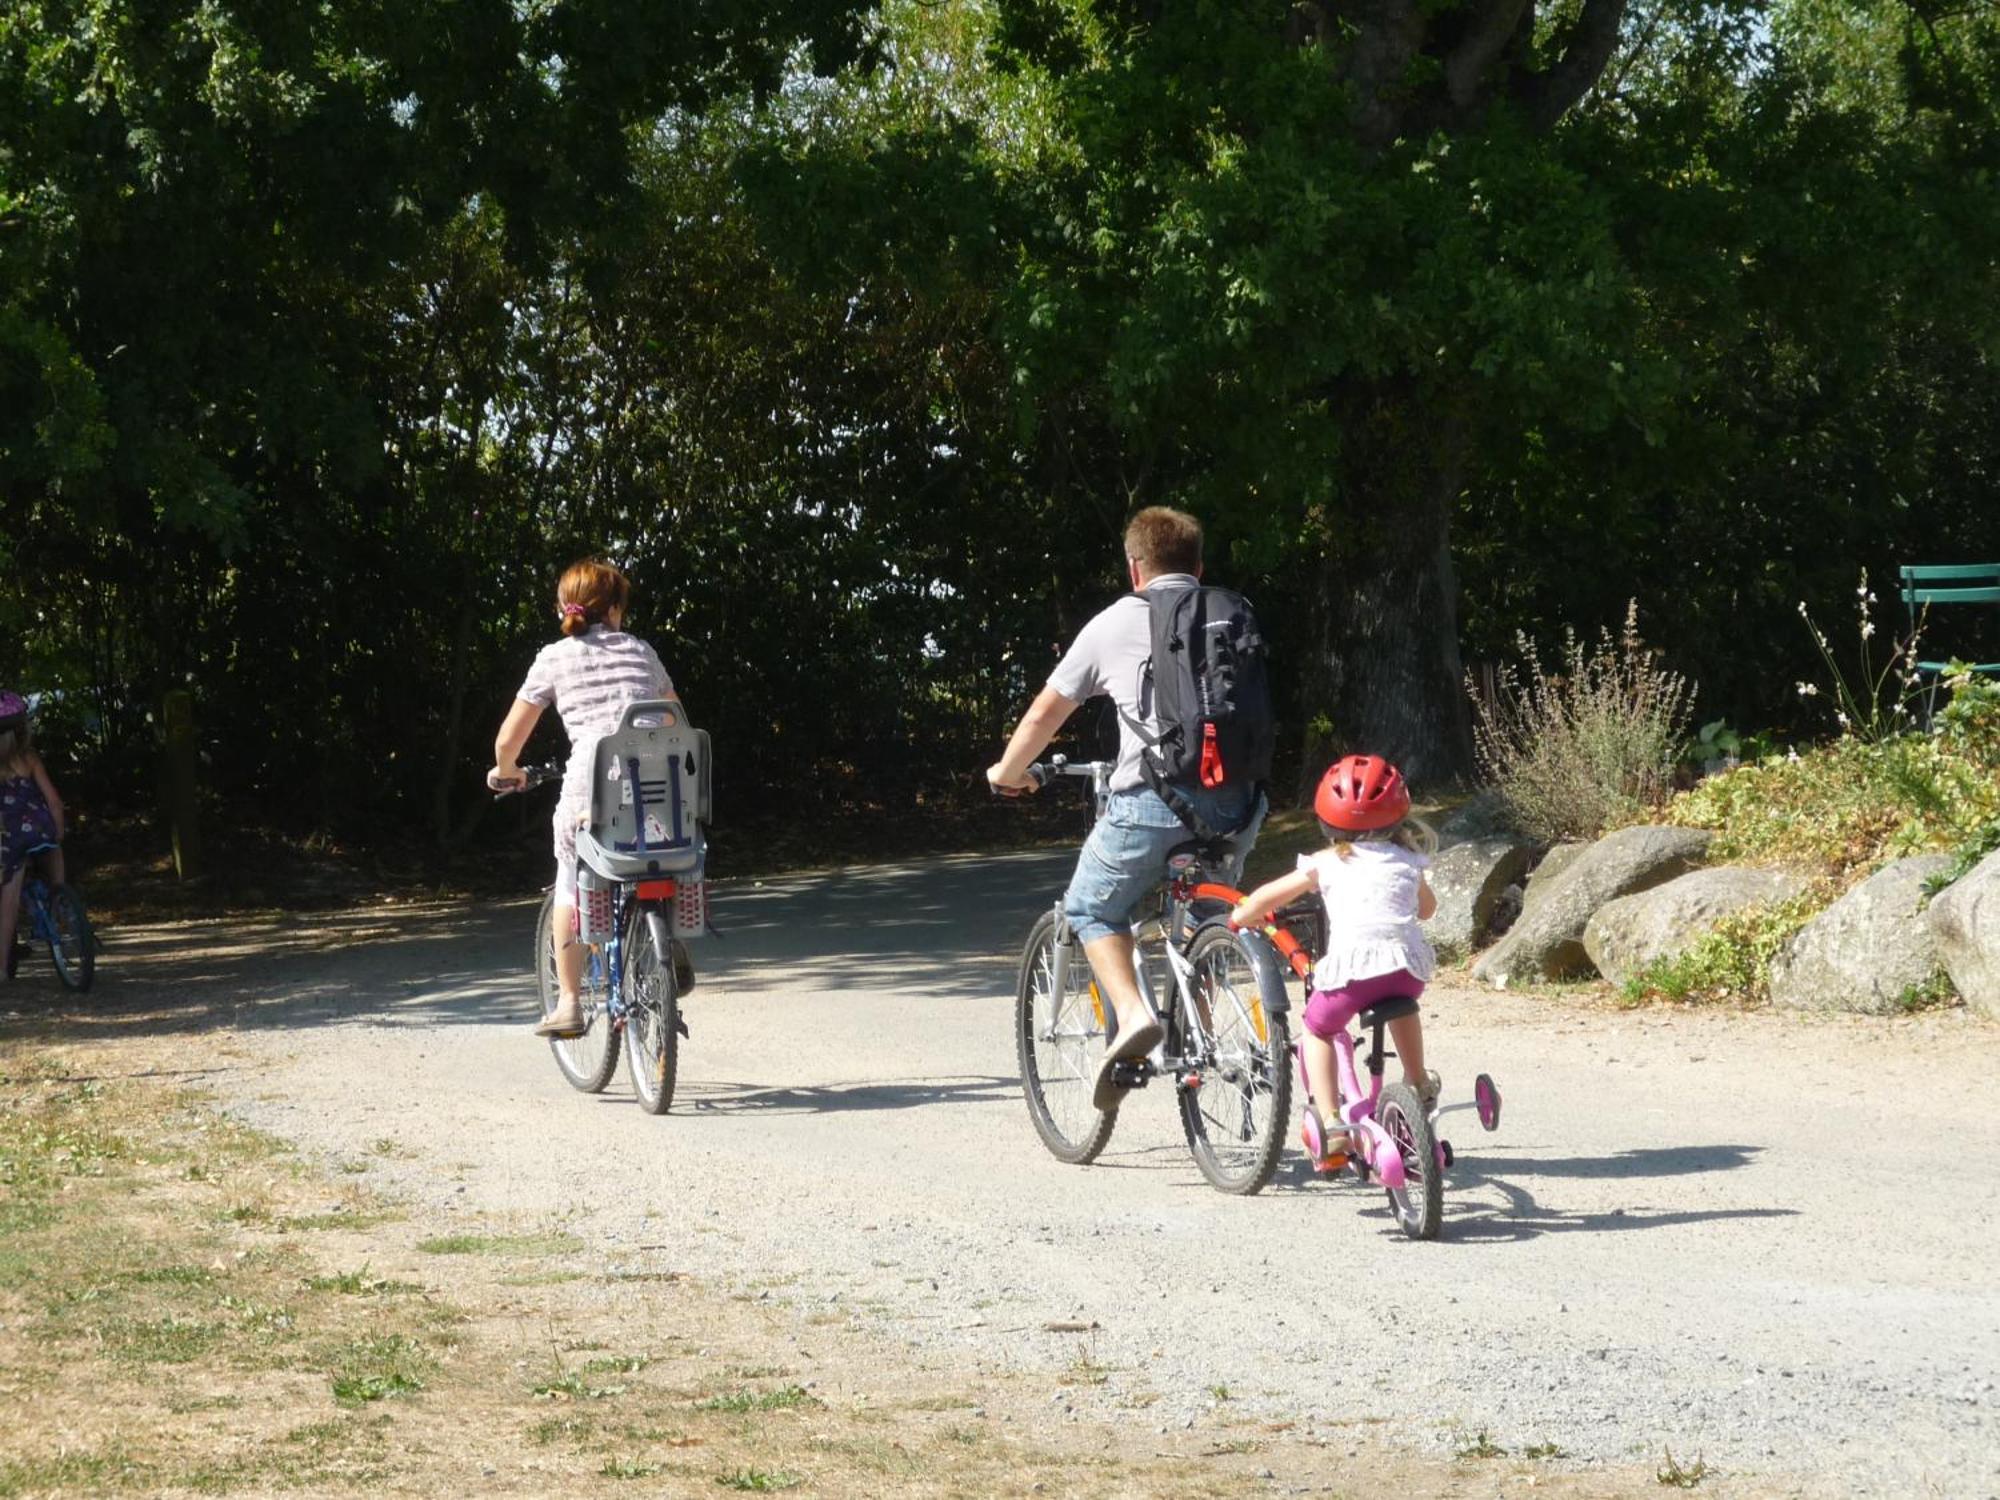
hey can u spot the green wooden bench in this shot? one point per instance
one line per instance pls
(1957, 583)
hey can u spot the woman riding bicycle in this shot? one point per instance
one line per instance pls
(31, 815)
(591, 676)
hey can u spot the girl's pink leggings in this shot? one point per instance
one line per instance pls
(1329, 1011)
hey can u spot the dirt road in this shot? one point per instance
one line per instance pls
(1767, 1241)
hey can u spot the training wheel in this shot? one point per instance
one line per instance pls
(1486, 1096)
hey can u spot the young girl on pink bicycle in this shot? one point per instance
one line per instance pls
(1371, 879)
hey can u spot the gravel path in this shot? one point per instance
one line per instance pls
(1765, 1240)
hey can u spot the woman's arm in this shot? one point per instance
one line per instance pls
(1427, 901)
(1271, 895)
(508, 744)
(49, 794)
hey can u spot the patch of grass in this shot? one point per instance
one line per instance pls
(785, 1398)
(571, 1386)
(1731, 963)
(375, 1369)
(624, 1468)
(1219, 1392)
(350, 1219)
(172, 1276)
(758, 1480)
(501, 1244)
(1935, 993)
(1477, 1446)
(1084, 1370)
(1543, 1451)
(83, 1473)
(617, 1364)
(161, 1341)
(1678, 1476)
(967, 1435)
(568, 1428)
(541, 1278)
(1231, 1445)
(360, 1284)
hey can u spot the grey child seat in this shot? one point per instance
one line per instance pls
(649, 797)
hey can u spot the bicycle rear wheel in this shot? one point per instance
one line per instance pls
(72, 944)
(652, 1014)
(1060, 1039)
(1234, 1118)
(1419, 1203)
(587, 1061)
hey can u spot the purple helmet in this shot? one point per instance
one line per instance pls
(13, 710)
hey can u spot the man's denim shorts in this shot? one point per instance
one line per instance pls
(1125, 857)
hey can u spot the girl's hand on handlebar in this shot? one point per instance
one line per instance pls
(1006, 786)
(505, 779)
(1244, 914)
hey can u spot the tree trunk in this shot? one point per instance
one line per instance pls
(448, 768)
(1386, 671)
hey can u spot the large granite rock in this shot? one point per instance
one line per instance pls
(1625, 935)
(1547, 941)
(1868, 950)
(1558, 859)
(1964, 921)
(1469, 880)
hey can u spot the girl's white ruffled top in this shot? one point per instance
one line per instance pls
(1371, 913)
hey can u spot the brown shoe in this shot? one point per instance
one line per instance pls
(563, 1021)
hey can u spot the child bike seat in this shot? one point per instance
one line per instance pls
(649, 796)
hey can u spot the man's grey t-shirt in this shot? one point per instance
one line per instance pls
(1109, 657)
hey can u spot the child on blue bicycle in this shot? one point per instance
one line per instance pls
(31, 815)
(1371, 878)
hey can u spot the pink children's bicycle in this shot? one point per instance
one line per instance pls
(1394, 1138)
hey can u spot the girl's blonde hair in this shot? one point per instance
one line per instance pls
(1413, 834)
(589, 591)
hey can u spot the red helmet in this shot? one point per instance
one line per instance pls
(1362, 792)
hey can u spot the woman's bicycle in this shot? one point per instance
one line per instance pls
(55, 915)
(1219, 992)
(631, 989)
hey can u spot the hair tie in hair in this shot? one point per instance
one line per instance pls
(572, 610)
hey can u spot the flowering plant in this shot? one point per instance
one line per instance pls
(1876, 705)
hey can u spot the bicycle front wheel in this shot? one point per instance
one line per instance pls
(1234, 1116)
(1419, 1203)
(652, 1014)
(72, 944)
(587, 1061)
(1060, 1039)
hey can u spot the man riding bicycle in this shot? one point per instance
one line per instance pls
(1125, 856)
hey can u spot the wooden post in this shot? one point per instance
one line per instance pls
(183, 795)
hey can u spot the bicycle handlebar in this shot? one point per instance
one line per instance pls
(531, 777)
(1061, 765)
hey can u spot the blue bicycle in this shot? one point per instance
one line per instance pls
(54, 914)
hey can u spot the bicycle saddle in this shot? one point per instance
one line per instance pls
(1394, 1008)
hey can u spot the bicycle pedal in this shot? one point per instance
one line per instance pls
(1331, 1166)
(1133, 1074)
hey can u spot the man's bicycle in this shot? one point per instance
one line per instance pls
(55, 915)
(640, 876)
(1219, 992)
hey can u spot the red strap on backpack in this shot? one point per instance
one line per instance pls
(1211, 758)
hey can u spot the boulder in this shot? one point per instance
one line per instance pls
(1625, 935)
(1867, 950)
(1482, 816)
(1469, 880)
(1558, 858)
(1964, 921)
(1547, 941)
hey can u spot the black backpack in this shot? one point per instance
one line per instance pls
(1211, 697)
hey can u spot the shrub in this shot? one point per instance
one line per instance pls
(1578, 751)
(1732, 961)
(1847, 807)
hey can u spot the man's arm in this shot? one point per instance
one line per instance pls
(1048, 713)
